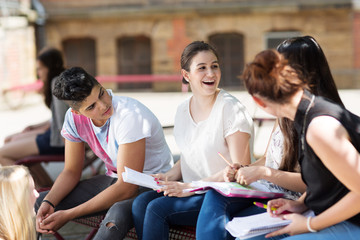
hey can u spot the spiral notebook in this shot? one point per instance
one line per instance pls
(258, 224)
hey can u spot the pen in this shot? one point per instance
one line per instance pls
(227, 161)
(262, 205)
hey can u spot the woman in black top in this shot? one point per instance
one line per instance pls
(329, 146)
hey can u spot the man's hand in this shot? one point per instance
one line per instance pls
(44, 211)
(56, 220)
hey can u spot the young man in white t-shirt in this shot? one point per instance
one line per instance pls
(122, 132)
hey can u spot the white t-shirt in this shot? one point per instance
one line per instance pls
(130, 122)
(199, 143)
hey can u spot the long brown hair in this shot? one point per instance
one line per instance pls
(306, 53)
(53, 60)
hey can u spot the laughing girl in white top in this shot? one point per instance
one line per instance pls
(209, 122)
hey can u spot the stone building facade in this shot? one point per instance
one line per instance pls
(112, 37)
(17, 48)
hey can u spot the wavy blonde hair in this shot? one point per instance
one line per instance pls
(17, 214)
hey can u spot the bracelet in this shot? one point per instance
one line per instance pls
(50, 203)
(308, 225)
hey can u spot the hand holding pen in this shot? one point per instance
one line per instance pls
(283, 206)
(273, 210)
(233, 165)
(229, 172)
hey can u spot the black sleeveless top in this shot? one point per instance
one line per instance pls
(323, 188)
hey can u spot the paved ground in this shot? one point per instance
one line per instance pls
(162, 104)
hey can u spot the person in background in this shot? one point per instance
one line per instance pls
(278, 169)
(43, 138)
(17, 198)
(329, 141)
(209, 122)
(122, 132)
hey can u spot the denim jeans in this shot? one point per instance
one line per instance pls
(217, 210)
(119, 213)
(344, 230)
(153, 213)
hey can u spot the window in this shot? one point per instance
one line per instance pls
(273, 39)
(134, 57)
(80, 52)
(230, 47)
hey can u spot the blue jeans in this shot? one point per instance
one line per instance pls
(217, 210)
(344, 230)
(153, 213)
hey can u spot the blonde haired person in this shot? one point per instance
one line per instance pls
(17, 198)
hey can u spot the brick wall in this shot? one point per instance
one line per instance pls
(356, 34)
(170, 32)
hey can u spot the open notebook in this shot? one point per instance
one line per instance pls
(233, 189)
(258, 224)
(229, 189)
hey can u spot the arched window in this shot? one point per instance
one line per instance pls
(80, 52)
(134, 57)
(230, 47)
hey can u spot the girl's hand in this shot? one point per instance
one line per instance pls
(229, 174)
(247, 175)
(297, 225)
(175, 189)
(281, 205)
(230, 171)
(159, 177)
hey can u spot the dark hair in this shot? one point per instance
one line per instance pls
(270, 76)
(307, 53)
(53, 60)
(74, 85)
(191, 50)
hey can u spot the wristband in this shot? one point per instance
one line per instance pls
(50, 203)
(308, 225)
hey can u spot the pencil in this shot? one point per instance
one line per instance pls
(227, 161)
